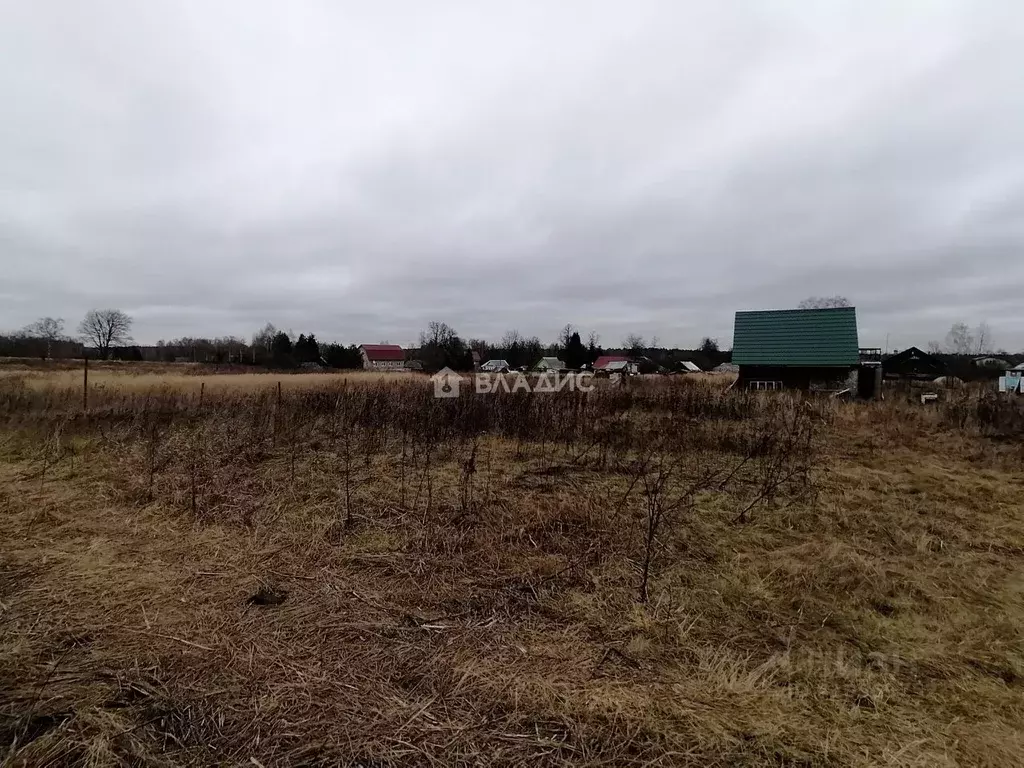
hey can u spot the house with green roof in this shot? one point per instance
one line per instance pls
(795, 348)
(549, 364)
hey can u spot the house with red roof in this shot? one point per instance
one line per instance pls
(382, 357)
(605, 360)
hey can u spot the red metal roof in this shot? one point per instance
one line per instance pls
(604, 360)
(383, 351)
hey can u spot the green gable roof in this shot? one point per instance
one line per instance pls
(803, 337)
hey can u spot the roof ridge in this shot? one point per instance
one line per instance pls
(791, 309)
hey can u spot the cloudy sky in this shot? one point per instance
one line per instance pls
(358, 169)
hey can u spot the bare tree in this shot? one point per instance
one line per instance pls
(960, 340)
(708, 346)
(824, 302)
(565, 334)
(440, 346)
(634, 343)
(934, 348)
(264, 337)
(593, 340)
(982, 338)
(437, 335)
(104, 328)
(49, 328)
(511, 339)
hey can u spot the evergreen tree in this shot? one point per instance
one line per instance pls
(340, 356)
(575, 353)
(281, 351)
(299, 350)
(307, 350)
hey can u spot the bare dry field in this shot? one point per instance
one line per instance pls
(666, 573)
(181, 377)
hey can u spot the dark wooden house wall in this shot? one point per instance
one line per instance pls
(792, 377)
(913, 364)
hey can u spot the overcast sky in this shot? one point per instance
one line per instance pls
(358, 169)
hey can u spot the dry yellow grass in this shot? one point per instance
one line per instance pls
(192, 378)
(877, 622)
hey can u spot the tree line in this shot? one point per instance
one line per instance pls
(107, 333)
(440, 345)
(104, 329)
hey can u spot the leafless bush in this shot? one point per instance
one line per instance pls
(782, 450)
(1000, 416)
(219, 438)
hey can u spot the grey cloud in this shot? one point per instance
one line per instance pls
(360, 170)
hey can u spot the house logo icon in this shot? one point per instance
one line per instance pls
(446, 383)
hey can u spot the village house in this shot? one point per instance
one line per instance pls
(795, 348)
(990, 362)
(549, 364)
(913, 365)
(382, 357)
(617, 366)
(1013, 381)
(496, 366)
(604, 361)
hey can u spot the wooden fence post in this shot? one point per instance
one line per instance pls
(277, 413)
(85, 386)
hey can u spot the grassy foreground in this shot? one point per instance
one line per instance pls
(365, 575)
